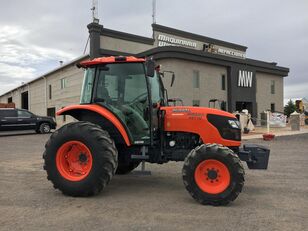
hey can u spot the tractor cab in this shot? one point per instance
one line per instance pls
(129, 88)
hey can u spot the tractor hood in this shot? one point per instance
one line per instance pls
(196, 111)
(212, 125)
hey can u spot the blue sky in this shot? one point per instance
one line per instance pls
(35, 35)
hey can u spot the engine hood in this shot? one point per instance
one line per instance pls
(196, 111)
(210, 124)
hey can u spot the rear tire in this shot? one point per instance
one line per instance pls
(126, 168)
(80, 148)
(213, 174)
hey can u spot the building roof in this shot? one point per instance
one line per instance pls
(77, 60)
(200, 56)
(157, 27)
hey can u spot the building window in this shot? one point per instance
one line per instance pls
(273, 86)
(10, 100)
(196, 79)
(196, 103)
(223, 82)
(50, 92)
(63, 83)
(272, 107)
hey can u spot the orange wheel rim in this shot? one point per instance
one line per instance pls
(212, 176)
(74, 160)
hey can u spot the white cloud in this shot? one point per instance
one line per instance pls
(19, 58)
(296, 90)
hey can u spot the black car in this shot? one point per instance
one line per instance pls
(20, 119)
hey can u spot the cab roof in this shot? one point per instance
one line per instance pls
(110, 59)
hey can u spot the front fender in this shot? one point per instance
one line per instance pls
(85, 112)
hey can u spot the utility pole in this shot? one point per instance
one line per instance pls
(154, 11)
(94, 10)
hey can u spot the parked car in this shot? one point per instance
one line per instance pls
(20, 119)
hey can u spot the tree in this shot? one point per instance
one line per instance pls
(289, 108)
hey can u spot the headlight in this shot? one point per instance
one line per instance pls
(234, 123)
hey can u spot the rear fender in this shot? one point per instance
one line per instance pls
(101, 116)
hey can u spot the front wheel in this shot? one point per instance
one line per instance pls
(213, 174)
(80, 159)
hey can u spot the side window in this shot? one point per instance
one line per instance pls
(23, 114)
(196, 103)
(196, 79)
(63, 82)
(50, 91)
(223, 82)
(8, 113)
(111, 83)
(273, 86)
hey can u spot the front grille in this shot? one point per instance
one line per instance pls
(224, 128)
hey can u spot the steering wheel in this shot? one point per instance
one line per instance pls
(138, 98)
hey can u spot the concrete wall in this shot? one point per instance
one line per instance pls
(264, 95)
(116, 44)
(210, 81)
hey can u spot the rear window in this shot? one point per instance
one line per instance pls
(8, 113)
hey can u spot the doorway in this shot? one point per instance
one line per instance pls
(241, 105)
(25, 100)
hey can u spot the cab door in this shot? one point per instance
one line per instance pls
(25, 120)
(157, 99)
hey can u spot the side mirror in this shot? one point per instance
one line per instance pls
(150, 65)
(172, 80)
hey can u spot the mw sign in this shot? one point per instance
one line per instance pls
(245, 78)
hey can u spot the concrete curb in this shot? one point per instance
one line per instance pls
(285, 133)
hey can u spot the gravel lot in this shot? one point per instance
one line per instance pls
(276, 199)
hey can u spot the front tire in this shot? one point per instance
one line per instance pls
(213, 174)
(80, 159)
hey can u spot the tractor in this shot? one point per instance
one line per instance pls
(124, 118)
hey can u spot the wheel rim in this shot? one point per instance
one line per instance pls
(212, 176)
(46, 128)
(74, 160)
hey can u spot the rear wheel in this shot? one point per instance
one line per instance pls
(80, 159)
(44, 128)
(126, 168)
(213, 174)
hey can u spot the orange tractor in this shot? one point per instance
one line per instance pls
(124, 119)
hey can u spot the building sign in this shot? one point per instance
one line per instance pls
(164, 40)
(224, 51)
(229, 52)
(245, 78)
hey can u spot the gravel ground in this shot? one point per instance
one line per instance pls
(276, 199)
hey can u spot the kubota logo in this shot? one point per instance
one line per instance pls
(245, 78)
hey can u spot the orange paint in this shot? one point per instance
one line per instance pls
(194, 120)
(111, 59)
(103, 112)
(209, 183)
(74, 160)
